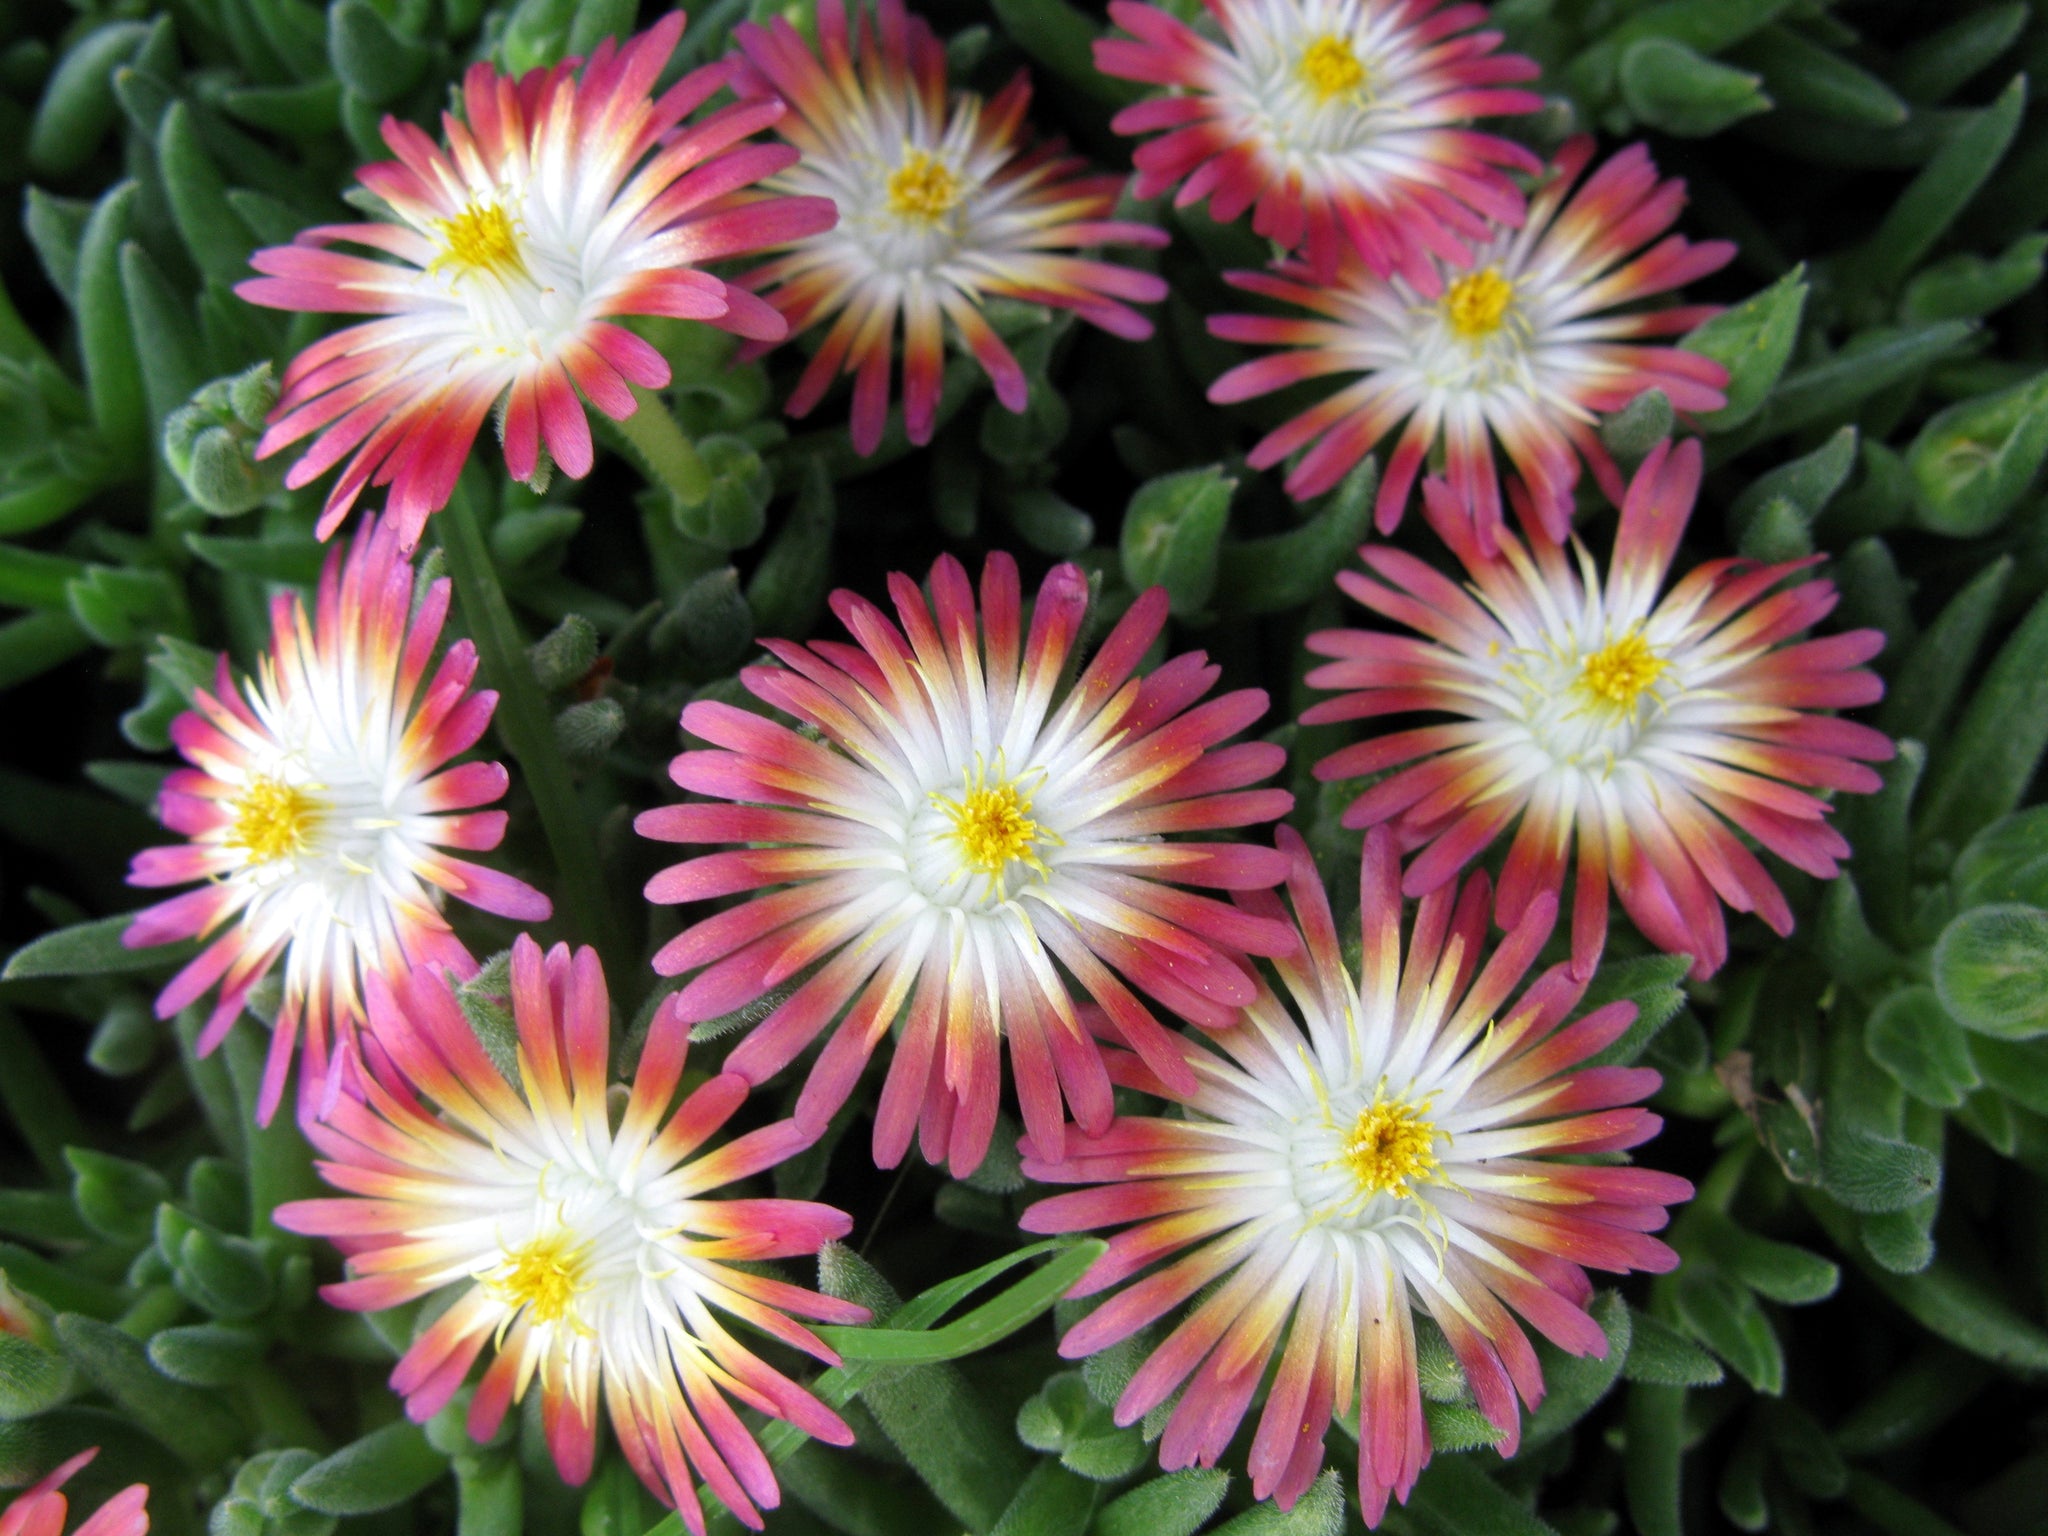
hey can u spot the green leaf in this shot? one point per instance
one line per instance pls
(1660, 1354)
(1574, 1384)
(1803, 76)
(91, 949)
(1804, 486)
(1669, 86)
(1803, 1449)
(1913, 1038)
(788, 587)
(1875, 1173)
(1454, 1497)
(1052, 1502)
(165, 336)
(1319, 1512)
(1931, 676)
(78, 105)
(1794, 1276)
(213, 232)
(1980, 769)
(1172, 532)
(987, 1324)
(194, 1423)
(1941, 191)
(1872, 360)
(1654, 983)
(32, 1378)
(205, 1354)
(1938, 62)
(1457, 1427)
(380, 1471)
(1289, 569)
(1174, 1505)
(371, 58)
(1753, 341)
(117, 1196)
(1991, 970)
(113, 371)
(1966, 286)
(1655, 1430)
(1973, 462)
(1062, 38)
(1727, 1319)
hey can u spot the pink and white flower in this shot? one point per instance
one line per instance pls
(41, 1510)
(1649, 730)
(564, 199)
(965, 824)
(944, 203)
(1342, 124)
(584, 1247)
(1526, 349)
(319, 806)
(1356, 1151)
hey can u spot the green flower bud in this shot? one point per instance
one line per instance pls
(585, 732)
(709, 625)
(210, 443)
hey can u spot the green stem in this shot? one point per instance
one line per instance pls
(529, 732)
(664, 449)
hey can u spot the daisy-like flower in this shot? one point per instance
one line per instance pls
(1340, 123)
(41, 1510)
(968, 824)
(1524, 349)
(944, 203)
(1652, 730)
(584, 1247)
(564, 198)
(1355, 1152)
(319, 806)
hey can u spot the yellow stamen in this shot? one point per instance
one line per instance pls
(1391, 1144)
(1477, 303)
(924, 188)
(275, 820)
(1330, 69)
(545, 1277)
(993, 825)
(481, 238)
(1617, 674)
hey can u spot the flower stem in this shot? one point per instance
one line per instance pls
(664, 449)
(528, 730)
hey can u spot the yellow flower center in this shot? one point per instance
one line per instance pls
(1330, 69)
(1617, 674)
(924, 187)
(481, 238)
(1391, 1144)
(275, 820)
(1475, 304)
(545, 1277)
(992, 824)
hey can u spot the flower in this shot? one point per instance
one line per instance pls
(40, 1511)
(1335, 121)
(583, 1245)
(966, 822)
(1357, 1151)
(1523, 348)
(317, 808)
(563, 199)
(943, 202)
(1647, 727)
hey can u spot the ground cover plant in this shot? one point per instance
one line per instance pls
(1259, 767)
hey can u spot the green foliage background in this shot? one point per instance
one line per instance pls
(1855, 1341)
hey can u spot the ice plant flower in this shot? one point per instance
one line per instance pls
(41, 1510)
(944, 203)
(564, 199)
(1526, 349)
(319, 807)
(582, 1242)
(1340, 123)
(965, 823)
(1358, 1151)
(1651, 730)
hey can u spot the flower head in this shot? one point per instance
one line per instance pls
(944, 203)
(1523, 349)
(319, 806)
(1357, 1151)
(1651, 729)
(1338, 122)
(564, 198)
(581, 1240)
(967, 823)
(40, 1511)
